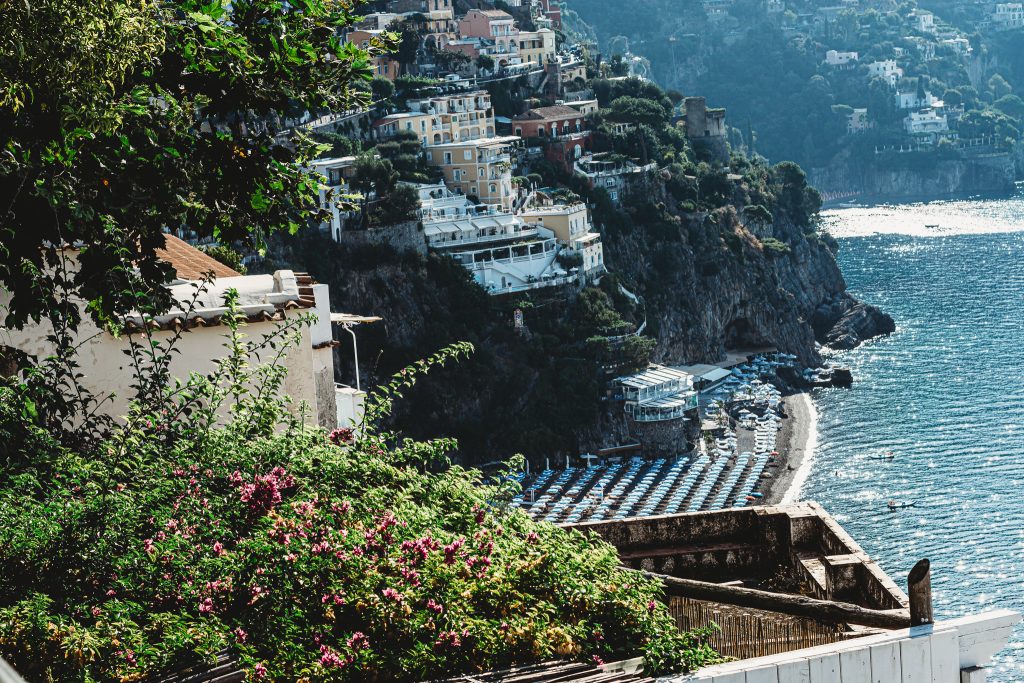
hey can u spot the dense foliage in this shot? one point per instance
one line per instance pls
(165, 113)
(768, 69)
(544, 381)
(310, 556)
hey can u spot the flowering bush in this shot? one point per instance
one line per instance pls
(313, 557)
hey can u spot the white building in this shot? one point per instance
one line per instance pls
(925, 123)
(616, 177)
(505, 253)
(840, 59)
(657, 394)
(911, 100)
(924, 21)
(962, 46)
(857, 122)
(265, 301)
(886, 69)
(452, 220)
(1008, 15)
(335, 174)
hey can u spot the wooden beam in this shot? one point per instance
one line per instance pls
(794, 605)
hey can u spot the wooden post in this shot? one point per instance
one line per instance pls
(919, 589)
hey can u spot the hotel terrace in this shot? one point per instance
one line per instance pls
(503, 252)
(658, 393)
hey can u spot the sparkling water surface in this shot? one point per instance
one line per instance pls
(945, 393)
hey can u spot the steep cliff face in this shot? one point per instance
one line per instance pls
(983, 173)
(708, 284)
(711, 285)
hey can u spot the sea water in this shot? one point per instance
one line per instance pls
(944, 393)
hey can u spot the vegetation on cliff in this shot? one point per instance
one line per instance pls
(784, 101)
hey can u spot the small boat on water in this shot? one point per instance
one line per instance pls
(888, 455)
(893, 505)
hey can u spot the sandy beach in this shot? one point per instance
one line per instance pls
(796, 442)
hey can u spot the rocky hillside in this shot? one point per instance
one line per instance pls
(908, 177)
(711, 284)
(705, 281)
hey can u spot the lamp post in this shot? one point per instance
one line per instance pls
(349, 321)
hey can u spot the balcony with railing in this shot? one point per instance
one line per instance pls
(672, 407)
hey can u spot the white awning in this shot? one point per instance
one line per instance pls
(715, 375)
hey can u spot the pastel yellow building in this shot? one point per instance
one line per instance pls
(482, 168)
(537, 47)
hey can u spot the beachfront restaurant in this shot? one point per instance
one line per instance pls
(657, 381)
(665, 408)
(658, 393)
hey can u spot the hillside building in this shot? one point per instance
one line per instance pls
(548, 122)
(335, 172)
(383, 66)
(886, 69)
(264, 300)
(841, 59)
(481, 168)
(616, 176)
(705, 128)
(926, 124)
(857, 121)
(1008, 15)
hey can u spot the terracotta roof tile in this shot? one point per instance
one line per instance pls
(189, 262)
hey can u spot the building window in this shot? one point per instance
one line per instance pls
(467, 155)
(447, 157)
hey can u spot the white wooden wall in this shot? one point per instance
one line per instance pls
(925, 654)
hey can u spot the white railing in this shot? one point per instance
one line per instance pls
(553, 282)
(953, 651)
(483, 239)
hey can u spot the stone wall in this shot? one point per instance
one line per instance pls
(667, 438)
(406, 236)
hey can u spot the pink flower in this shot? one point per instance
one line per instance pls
(111, 593)
(448, 638)
(241, 635)
(329, 657)
(345, 435)
(264, 492)
(206, 606)
(260, 671)
(96, 611)
(532, 537)
(358, 641)
(451, 549)
(218, 548)
(434, 606)
(392, 594)
(651, 606)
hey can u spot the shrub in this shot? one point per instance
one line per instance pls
(775, 247)
(310, 556)
(226, 255)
